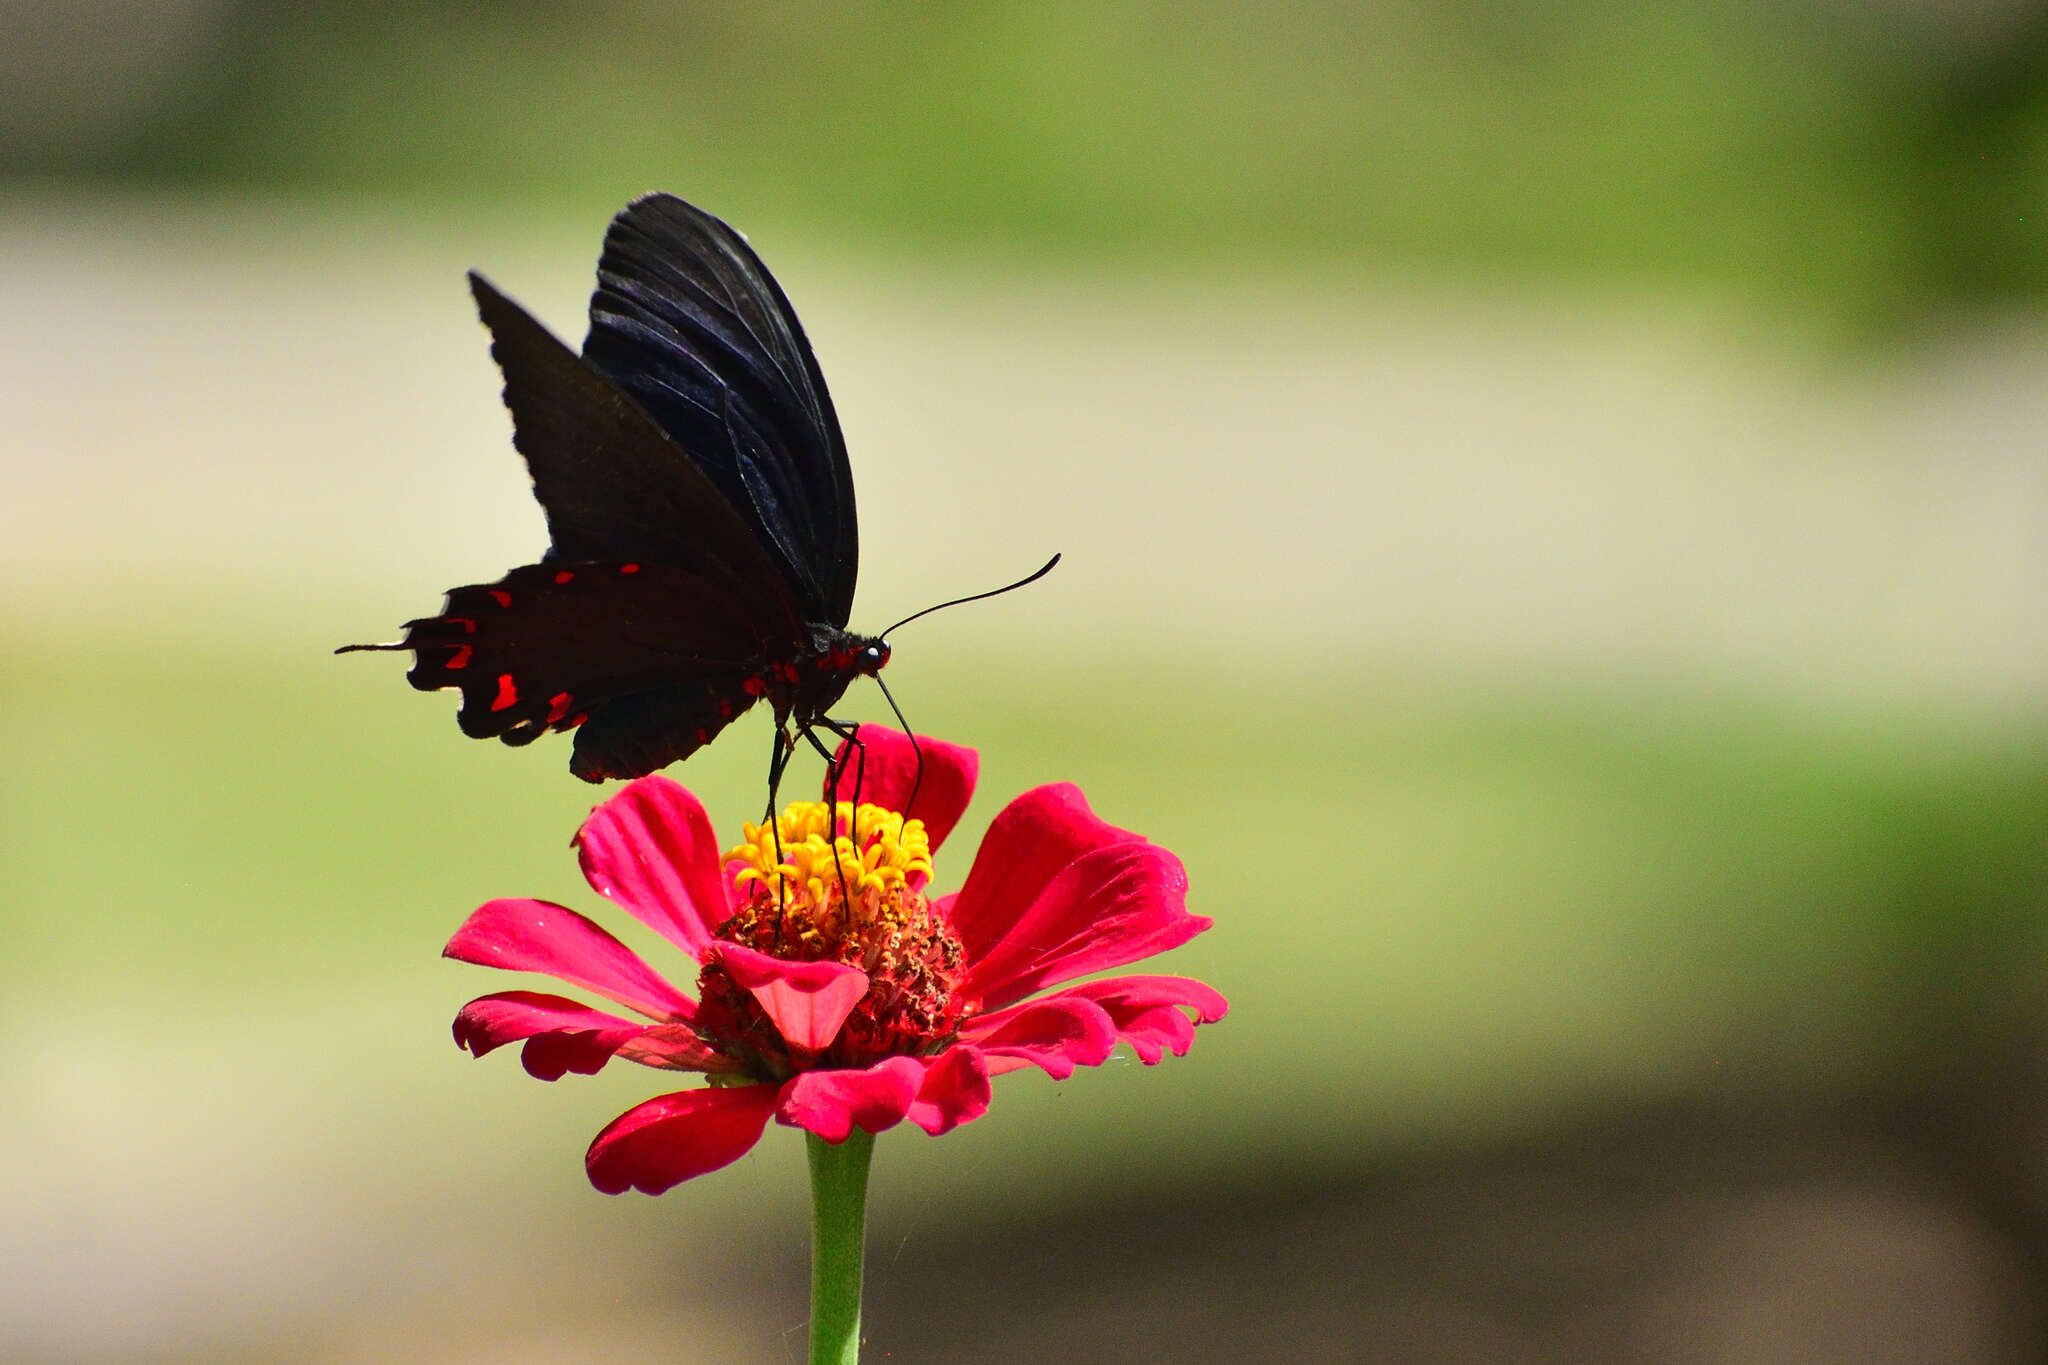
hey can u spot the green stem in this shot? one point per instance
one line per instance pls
(839, 1202)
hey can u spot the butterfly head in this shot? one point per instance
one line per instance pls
(870, 658)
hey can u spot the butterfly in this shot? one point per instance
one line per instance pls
(700, 512)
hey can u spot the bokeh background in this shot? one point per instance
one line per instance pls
(1555, 499)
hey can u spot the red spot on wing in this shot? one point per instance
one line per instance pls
(508, 695)
(459, 659)
(468, 626)
(703, 735)
(725, 707)
(629, 568)
(754, 686)
(578, 719)
(501, 597)
(558, 706)
(563, 576)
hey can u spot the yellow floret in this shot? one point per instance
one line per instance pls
(888, 849)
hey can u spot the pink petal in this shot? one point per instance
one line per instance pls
(676, 1047)
(1030, 841)
(1121, 993)
(1154, 1033)
(1109, 907)
(540, 936)
(890, 772)
(808, 1001)
(671, 1138)
(1055, 1034)
(561, 1035)
(651, 849)
(1147, 1011)
(955, 1091)
(830, 1103)
(1004, 1064)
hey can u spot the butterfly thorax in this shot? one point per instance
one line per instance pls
(812, 683)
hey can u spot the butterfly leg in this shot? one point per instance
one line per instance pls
(834, 770)
(851, 734)
(778, 760)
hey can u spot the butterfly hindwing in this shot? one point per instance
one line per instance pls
(556, 645)
(688, 323)
(649, 730)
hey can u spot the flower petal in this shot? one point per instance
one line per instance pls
(1055, 1034)
(1109, 907)
(676, 1047)
(830, 1103)
(955, 1091)
(561, 1035)
(1147, 1010)
(651, 849)
(808, 1001)
(540, 936)
(1028, 844)
(671, 1138)
(890, 772)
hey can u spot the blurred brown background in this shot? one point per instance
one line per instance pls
(1555, 500)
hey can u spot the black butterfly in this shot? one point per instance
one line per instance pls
(700, 510)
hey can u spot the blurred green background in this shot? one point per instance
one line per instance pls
(1555, 501)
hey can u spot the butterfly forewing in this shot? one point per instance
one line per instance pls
(611, 482)
(689, 323)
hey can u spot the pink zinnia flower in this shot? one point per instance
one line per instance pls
(831, 992)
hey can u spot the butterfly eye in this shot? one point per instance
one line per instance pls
(874, 656)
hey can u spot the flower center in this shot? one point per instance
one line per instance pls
(840, 885)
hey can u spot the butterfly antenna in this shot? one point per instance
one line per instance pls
(918, 781)
(992, 592)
